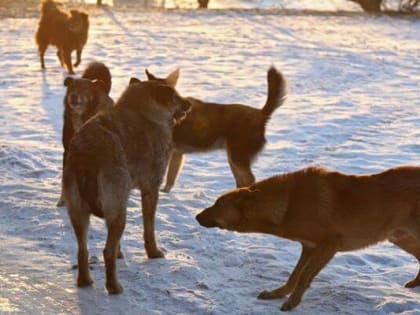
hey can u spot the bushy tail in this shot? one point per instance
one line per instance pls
(277, 91)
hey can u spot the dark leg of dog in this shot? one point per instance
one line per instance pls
(66, 56)
(292, 281)
(408, 243)
(241, 170)
(174, 165)
(59, 57)
(42, 49)
(115, 226)
(80, 222)
(78, 58)
(149, 203)
(318, 259)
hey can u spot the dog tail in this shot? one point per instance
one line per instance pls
(277, 91)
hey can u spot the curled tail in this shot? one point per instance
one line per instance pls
(276, 91)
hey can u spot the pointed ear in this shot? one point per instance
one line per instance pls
(99, 84)
(163, 94)
(134, 80)
(68, 81)
(172, 78)
(150, 76)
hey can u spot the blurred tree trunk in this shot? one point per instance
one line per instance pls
(370, 5)
(203, 4)
(98, 2)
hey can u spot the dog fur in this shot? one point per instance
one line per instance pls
(84, 98)
(327, 212)
(120, 149)
(239, 129)
(66, 31)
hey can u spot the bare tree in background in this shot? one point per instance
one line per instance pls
(370, 5)
(203, 4)
(375, 5)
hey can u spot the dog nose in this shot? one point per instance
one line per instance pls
(203, 221)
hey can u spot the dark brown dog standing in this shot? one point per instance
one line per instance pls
(239, 129)
(327, 212)
(84, 98)
(120, 149)
(66, 31)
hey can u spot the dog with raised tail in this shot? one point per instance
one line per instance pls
(327, 212)
(237, 128)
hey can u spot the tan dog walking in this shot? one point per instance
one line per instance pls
(327, 212)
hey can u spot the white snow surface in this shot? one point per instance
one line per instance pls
(353, 106)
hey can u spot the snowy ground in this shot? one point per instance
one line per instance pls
(353, 106)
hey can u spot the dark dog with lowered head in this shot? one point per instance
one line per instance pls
(120, 149)
(239, 129)
(84, 98)
(327, 212)
(66, 31)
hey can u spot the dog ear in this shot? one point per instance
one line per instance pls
(134, 80)
(172, 78)
(150, 76)
(163, 93)
(99, 84)
(68, 81)
(248, 193)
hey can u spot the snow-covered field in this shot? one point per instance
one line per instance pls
(353, 106)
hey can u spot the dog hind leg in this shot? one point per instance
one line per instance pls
(42, 48)
(241, 170)
(80, 222)
(175, 163)
(66, 56)
(292, 281)
(408, 243)
(149, 203)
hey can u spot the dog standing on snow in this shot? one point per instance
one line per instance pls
(120, 149)
(84, 98)
(66, 31)
(327, 212)
(239, 129)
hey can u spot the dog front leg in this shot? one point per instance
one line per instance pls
(175, 162)
(292, 281)
(59, 57)
(149, 203)
(318, 259)
(78, 57)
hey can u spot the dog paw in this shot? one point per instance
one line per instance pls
(84, 282)
(157, 253)
(166, 189)
(114, 288)
(61, 203)
(288, 305)
(266, 295)
(412, 284)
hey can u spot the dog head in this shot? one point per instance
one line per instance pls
(237, 210)
(258, 208)
(78, 22)
(170, 80)
(158, 101)
(83, 93)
